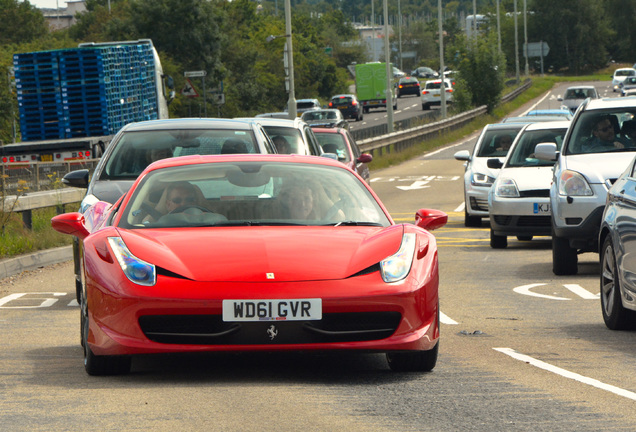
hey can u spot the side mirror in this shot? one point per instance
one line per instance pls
(70, 223)
(462, 155)
(78, 179)
(494, 163)
(546, 151)
(560, 99)
(430, 219)
(365, 158)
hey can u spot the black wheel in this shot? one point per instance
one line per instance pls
(365, 110)
(77, 269)
(497, 241)
(103, 365)
(471, 221)
(524, 238)
(426, 107)
(616, 317)
(413, 361)
(564, 257)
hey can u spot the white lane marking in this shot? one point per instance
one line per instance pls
(444, 319)
(73, 303)
(30, 298)
(525, 289)
(461, 207)
(581, 292)
(567, 374)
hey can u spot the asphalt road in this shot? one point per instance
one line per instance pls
(521, 350)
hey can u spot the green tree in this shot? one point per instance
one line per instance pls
(21, 22)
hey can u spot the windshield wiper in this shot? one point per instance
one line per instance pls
(355, 223)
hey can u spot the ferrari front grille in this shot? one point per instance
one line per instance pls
(212, 330)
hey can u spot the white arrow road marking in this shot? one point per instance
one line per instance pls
(415, 185)
(461, 207)
(567, 374)
(583, 293)
(525, 289)
(444, 319)
(28, 298)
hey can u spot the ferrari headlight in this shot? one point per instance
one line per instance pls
(136, 270)
(506, 188)
(572, 183)
(479, 179)
(396, 267)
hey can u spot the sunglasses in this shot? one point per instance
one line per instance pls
(179, 200)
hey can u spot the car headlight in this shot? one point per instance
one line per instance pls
(397, 266)
(572, 183)
(136, 270)
(507, 188)
(479, 179)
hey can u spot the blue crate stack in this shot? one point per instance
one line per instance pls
(87, 91)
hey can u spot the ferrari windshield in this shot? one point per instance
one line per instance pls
(522, 153)
(251, 193)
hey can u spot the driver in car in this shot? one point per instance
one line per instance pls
(604, 136)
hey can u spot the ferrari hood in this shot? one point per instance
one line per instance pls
(260, 254)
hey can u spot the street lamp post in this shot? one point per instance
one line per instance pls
(442, 87)
(291, 103)
(389, 71)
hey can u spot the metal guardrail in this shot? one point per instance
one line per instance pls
(400, 140)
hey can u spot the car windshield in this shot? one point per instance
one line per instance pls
(334, 143)
(250, 194)
(579, 93)
(604, 131)
(342, 100)
(522, 153)
(136, 150)
(305, 105)
(435, 85)
(496, 143)
(626, 72)
(290, 134)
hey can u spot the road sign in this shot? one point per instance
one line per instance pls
(188, 89)
(537, 49)
(195, 74)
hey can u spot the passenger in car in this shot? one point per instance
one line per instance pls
(503, 143)
(282, 146)
(298, 202)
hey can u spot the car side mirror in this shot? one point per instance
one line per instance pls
(430, 219)
(462, 155)
(365, 158)
(70, 223)
(494, 163)
(546, 151)
(78, 179)
(560, 99)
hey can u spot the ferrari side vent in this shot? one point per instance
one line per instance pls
(164, 272)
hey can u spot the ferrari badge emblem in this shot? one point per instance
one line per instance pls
(272, 332)
(269, 275)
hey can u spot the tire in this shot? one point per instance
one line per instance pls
(524, 237)
(413, 361)
(471, 221)
(102, 365)
(564, 257)
(365, 110)
(615, 315)
(426, 107)
(497, 241)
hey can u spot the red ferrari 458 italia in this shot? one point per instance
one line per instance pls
(254, 253)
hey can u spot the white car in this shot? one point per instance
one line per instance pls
(593, 156)
(619, 76)
(574, 96)
(629, 86)
(431, 94)
(519, 199)
(478, 178)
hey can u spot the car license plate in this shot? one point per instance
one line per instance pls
(541, 208)
(342, 107)
(437, 95)
(272, 310)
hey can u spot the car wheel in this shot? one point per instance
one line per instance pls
(365, 110)
(103, 365)
(616, 317)
(564, 257)
(426, 107)
(471, 221)
(413, 361)
(524, 238)
(497, 241)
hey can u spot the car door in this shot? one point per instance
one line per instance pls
(626, 229)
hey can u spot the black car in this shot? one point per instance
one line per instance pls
(424, 72)
(329, 118)
(348, 105)
(408, 85)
